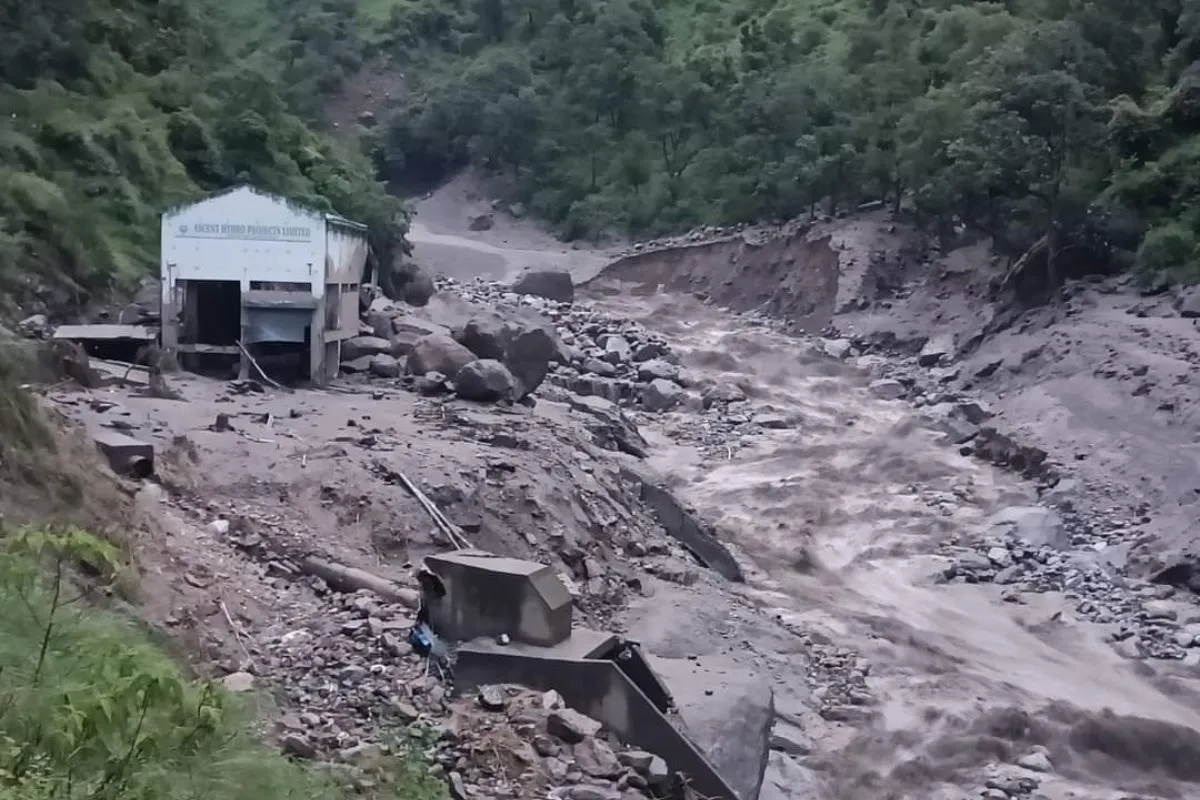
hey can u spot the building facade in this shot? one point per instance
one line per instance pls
(245, 272)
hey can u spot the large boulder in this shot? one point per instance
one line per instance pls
(438, 352)
(485, 380)
(524, 341)
(380, 322)
(407, 334)
(361, 346)
(484, 335)
(661, 395)
(418, 289)
(384, 366)
(552, 284)
(528, 356)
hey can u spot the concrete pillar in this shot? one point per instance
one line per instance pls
(316, 345)
(243, 362)
(167, 312)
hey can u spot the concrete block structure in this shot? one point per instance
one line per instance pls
(490, 595)
(511, 622)
(247, 269)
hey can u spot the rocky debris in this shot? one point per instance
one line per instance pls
(786, 779)
(347, 679)
(524, 342)
(926, 380)
(1034, 549)
(537, 332)
(485, 380)
(584, 351)
(440, 353)
(611, 428)
(551, 284)
(1049, 547)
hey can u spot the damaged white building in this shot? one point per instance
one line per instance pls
(244, 271)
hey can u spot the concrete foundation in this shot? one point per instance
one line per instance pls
(601, 689)
(489, 595)
(474, 597)
(128, 457)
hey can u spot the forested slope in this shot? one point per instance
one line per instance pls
(1068, 123)
(111, 110)
(1022, 119)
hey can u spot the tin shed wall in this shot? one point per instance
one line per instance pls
(345, 261)
(345, 252)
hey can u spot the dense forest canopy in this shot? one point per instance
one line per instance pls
(1064, 122)
(1068, 126)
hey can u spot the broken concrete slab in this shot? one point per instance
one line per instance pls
(101, 333)
(688, 529)
(599, 688)
(728, 711)
(128, 457)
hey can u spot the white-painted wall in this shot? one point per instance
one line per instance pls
(243, 235)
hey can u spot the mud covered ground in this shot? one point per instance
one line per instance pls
(924, 623)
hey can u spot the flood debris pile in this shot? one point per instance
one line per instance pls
(496, 343)
(513, 339)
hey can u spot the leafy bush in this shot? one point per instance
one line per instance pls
(1170, 250)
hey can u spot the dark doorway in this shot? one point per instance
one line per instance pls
(212, 313)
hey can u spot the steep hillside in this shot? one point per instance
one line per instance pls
(1018, 120)
(118, 108)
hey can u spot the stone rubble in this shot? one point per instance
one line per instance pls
(350, 678)
(1047, 548)
(558, 344)
(356, 695)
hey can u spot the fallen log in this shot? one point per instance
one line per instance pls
(351, 579)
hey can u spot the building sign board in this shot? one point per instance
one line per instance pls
(257, 233)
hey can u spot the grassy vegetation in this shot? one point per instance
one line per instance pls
(90, 709)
